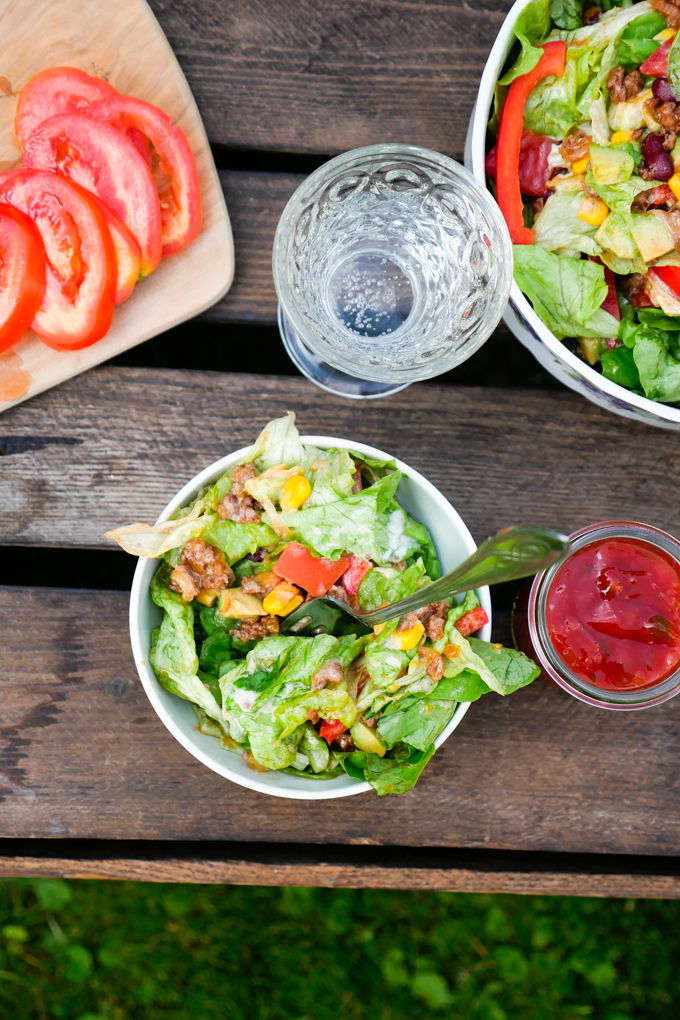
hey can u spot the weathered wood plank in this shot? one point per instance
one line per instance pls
(83, 755)
(255, 202)
(344, 876)
(322, 76)
(113, 445)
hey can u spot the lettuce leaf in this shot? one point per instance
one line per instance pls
(637, 40)
(416, 721)
(388, 775)
(566, 292)
(330, 473)
(566, 13)
(533, 23)
(558, 226)
(346, 525)
(658, 369)
(278, 443)
(236, 539)
(173, 649)
(382, 586)
(511, 669)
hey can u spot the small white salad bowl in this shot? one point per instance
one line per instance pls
(519, 316)
(419, 498)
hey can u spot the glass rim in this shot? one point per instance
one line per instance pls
(320, 179)
(553, 665)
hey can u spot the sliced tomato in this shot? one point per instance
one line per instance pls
(128, 253)
(22, 274)
(313, 573)
(355, 574)
(101, 159)
(173, 166)
(657, 64)
(80, 278)
(57, 90)
(670, 275)
(471, 622)
(330, 729)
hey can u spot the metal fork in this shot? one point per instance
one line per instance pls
(512, 553)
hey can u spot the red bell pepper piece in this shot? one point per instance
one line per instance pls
(670, 275)
(508, 191)
(657, 65)
(472, 621)
(313, 573)
(355, 574)
(610, 303)
(330, 729)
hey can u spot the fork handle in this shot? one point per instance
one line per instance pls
(512, 553)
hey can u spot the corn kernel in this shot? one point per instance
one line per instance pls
(674, 185)
(282, 600)
(378, 627)
(593, 211)
(207, 596)
(296, 490)
(665, 35)
(408, 639)
(581, 165)
(621, 137)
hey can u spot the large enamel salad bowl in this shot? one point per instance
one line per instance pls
(519, 315)
(418, 497)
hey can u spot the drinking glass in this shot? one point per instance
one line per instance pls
(391, 264)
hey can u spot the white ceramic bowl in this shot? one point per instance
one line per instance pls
(418, 497)
(519, 316)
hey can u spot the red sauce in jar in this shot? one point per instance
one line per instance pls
(613, 614)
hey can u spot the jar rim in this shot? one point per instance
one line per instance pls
(553, 665)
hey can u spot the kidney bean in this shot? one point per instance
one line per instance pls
(662, 91)
(656, 158)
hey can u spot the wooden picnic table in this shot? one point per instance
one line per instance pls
(534, 793)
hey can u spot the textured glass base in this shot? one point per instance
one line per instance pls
(323, 375)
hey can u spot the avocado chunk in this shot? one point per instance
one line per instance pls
(615, 236)
(651, 236)
(610, 166)
(367, 739)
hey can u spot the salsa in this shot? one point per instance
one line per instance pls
(613, 614)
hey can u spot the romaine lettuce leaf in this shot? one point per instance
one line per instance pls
(511, 669)
(315, 747)
(278, 443)
(236, 539)
(399, 537)
(558, 226)
(565, 292)
(659, 370)
(416, 721)
(388, 775)
(637, 40)
(383, 585)
(330, 473)
(348, 524)
(566, 13)
(533, 23)
(173, 649)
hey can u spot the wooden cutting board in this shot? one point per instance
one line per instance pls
(122, 42)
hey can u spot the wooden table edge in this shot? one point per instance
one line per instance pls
(516, 872)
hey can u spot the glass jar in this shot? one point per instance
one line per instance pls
(531, 633)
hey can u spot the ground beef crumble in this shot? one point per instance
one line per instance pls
(238, 505)
(575, 147)
(624, 86)
(253, 630)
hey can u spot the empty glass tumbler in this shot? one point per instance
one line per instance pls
(391, 264)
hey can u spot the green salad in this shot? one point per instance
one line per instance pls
(286, 524)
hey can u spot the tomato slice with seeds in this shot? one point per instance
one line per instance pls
(99, 158)
(57, 90)
(173, 165)
(22, 274)
(128, 254)
(80, 278)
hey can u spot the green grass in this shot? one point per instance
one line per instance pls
(89, 950)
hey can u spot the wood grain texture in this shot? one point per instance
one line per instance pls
(114, 445)
(83, 755)
(123, 43)
(255, 202)
(334, 876)
(322, 76)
